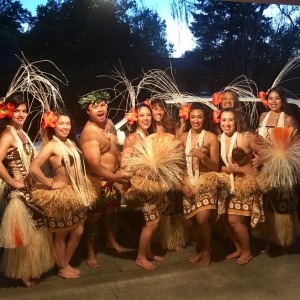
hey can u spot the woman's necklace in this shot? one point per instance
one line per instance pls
(262, 129)
(228, 158)
(193, 176)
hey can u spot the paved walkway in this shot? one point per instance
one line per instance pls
(175, 278)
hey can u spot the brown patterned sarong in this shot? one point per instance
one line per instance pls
(204, 201)
(153, 207)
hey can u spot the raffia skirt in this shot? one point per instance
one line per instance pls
(28, 250)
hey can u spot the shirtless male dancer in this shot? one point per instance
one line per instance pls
(98, 141)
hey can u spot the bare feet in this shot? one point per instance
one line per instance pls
(178, 249)
(145, 264)
(244, 258)
(234, 254)
(74, 270)
(92, 262)
(29, 282)
(67, 274)
(205, 259)
(151, 256)
(195, 258)
(117, 247)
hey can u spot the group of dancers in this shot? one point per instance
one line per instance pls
(184, 178)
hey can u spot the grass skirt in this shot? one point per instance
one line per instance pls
(172, 231)
(30, 261)
(17, 227)
(61, 203)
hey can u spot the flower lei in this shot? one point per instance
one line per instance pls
(193, 176)
(224, 157)
(79, 178)
(262, 129)
(93, 97)
(184, 111)
(6, 110)
(49, 119)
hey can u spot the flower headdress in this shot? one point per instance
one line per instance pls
(184, 111)
(217, 98)
(6, 110)
(93, 97)
(49, 119)
(132, 116)
(263, 97)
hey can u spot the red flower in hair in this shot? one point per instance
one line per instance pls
(184, 111)
(263, 97)
(49, 119)
(147, 102)
(6, 110)
(217, 98)
(131, 116)
(216, 116)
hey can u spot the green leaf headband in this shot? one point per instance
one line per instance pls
(93, 97)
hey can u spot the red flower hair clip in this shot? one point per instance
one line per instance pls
(217, 98)
(147, 102)
(184, 111)
(263, 97)
(216, 116)
(49, 119)
(6, 110)
(132, 116)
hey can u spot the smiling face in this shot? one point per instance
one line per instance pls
(228, 122)
(19, 116)
(228, 100)
(158, 113)
(196, 118)
(63, 127)
(144, 119)
(97, 112)
(274, 102)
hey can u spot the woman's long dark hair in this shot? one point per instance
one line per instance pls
(284, 104)
(48, 132)
(167, 122)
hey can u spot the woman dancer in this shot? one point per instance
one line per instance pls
(202, 157)
(237, 146)
(281, 224)
(28, 248)
(151, 209)
(172, 230)
(65, 197)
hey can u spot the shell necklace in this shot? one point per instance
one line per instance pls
(193, 176)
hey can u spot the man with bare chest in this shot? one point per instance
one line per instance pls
(98, 141)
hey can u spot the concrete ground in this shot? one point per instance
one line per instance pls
(118, 277)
